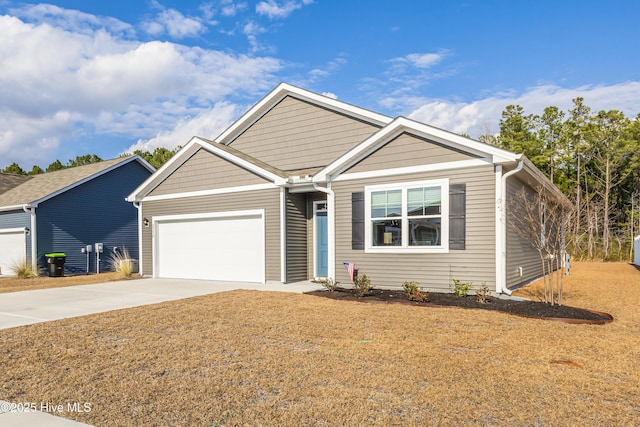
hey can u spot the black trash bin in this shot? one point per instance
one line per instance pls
(55, 264)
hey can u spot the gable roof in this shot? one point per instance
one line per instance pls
(283, 90)
(402, 124)
(389, 129)
(41, 187)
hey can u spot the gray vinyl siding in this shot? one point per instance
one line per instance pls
(94, 212)
(520, 252)
(17, 219)
(269, 200)
(408, 150)
(206, 171)
(297, 223)
(433, 271)
(297, 135)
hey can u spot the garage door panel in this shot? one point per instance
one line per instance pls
(221, 248)
(13, 249)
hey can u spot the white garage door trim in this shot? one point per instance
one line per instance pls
(238, 260)
(13, 248)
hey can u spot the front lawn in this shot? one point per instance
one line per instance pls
(267, 358)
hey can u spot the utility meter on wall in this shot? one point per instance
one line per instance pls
(99, 247)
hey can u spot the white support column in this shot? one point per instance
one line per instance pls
(331, 231)
(283, 234)
(500, 231)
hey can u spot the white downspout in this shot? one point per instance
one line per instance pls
(138, 206)
(283, 235)
(501, 235)
(31, 210)
(331, 226)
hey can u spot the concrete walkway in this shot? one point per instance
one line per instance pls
(29, 307)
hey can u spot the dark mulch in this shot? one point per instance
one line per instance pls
(521, 308)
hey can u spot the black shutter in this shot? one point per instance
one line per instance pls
(357, 221)
(457, 216)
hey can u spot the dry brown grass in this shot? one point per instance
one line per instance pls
(251, 358)
(15, 284)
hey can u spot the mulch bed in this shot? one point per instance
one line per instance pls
(531, 309)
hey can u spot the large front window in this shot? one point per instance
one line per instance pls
(407, 217)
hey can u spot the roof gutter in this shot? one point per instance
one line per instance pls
(501, 282)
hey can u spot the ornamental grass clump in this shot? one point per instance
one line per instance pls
(414, 293)
(121, 262)
(23, 269)
(361, 285)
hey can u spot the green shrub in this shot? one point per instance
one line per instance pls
(414, 293)
(361, 285)
(483, 294)
(23, 269)
(461, 289)
(121, 262)
(329, 284)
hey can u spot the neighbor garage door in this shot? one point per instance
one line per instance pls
(13, 248)
(222, 246)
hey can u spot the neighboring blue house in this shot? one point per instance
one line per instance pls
(68, 210)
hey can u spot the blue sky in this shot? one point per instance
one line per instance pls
(101, 77)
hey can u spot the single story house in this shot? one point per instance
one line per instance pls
(68, 210)
(303, 183)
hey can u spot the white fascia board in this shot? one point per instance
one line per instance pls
(402, 124)
(212, 192)
(14, 207)
(161, 174)
(13, 230)
(436, 167)
(279, 93)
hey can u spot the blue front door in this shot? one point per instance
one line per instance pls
(322, 245)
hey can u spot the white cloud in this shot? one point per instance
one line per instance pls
(273, 10)
(208, 124)
(175, 24)
(483, 116)
(330, 95)
(55, 83)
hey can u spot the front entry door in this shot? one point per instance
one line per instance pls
(321, 246)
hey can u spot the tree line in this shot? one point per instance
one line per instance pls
(594, 158)
(156, 158)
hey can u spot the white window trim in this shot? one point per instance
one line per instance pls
(404, 186)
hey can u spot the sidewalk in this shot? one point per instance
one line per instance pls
(29, 307)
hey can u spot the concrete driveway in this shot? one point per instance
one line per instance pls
(28, 307)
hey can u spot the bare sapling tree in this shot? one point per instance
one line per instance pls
(540, 220)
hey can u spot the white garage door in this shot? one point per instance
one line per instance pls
(227, 246)
(13, 248)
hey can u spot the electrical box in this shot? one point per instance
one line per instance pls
(89, 248)
(99, 247)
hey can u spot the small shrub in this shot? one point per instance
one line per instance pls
(23, 269)
(121, 262)
(461, 289)
(329, 284)
(414, 293)
(483, 294)
(361, 285)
